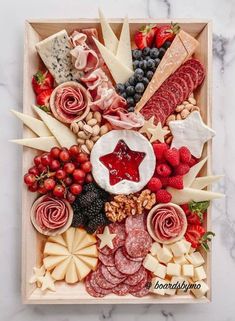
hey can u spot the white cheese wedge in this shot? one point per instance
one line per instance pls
(202, 182)
(57, 239)
(188, 270)
(82, 268)
(36, 125)
(50, 262)
(193, 172)
(180, 259)
(200, 292)
(55, 249)
(62, 133)
(71, 273)
(61, 269)
(88, 251)
(158, 285)
(195, 258)
(150, 263)
(164, 255)
(155, 248)
(91, 262)
(55, 53)
(80, 233)
(110, 39)
(69, 238)
(41, 143)
(199, 274)
(124, 46)
(86, 241)
(160, 271)
(173, 269)
(119, 71)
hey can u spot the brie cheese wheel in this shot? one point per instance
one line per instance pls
(136, 143)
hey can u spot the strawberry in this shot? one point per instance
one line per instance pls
(193, 234)
(176, 182)
(154, 184)
(43, 98)
(144, 36)
(185, 155)
(159, 149)
(162, 196)
(199, 209)
(42, 81)
(182, 169)
(186, 209)
(166, 33)
(193, 219)
(163, 170)
(172, 156)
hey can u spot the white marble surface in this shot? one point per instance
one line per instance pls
(12, 16)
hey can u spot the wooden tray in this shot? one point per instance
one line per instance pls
(32, 242)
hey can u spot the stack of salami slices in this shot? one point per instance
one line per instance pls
(121, 270)
(174, 91)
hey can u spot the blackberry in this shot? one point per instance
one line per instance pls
(90, 187)
(91, 227)
(87, 198)
(95, 208)
(79, 219)
(99, 220)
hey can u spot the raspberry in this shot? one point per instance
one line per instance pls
(154, 184)
(164, 181)
(163, 170)
(172, 156)
(176, 182)
(182, 169)
(185, 155)
(186, 209)
(192, 162)
(162, 196)
(159, 149)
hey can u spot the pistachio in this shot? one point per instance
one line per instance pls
(82, 135)
(96, 130)
(184, 113)
(104, 129)
(192, 100)
(92, 122)
(74, 127)
(87, 130)
(95, 138)
(179, 108)
(84, 149)
(97, 116)
(189, 106)
(80, 141)
(81, 124)
(89, 144)
(89, 116)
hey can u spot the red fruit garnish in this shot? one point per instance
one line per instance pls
(69, 168)
(75, 189)
(193, 219)
(154, 184)
(185, 155)
(74, 150)
(166, 33)
(29, 179)
(79, 175)
(43, 98)
(164, 181)
(34, 170)
(163, 196)
(42, 168)
(49, 184)
(64, 156)
(68, 181)
(70, 197)
(42, 81)
(54, 164)
(37, 160)
(186, 209)
(176, 182)
(89, 178)
(42, 188)
(182, 169)
(82, 158)
(192, 162)
(46, 159)
(159, 149)
(86, 167)
(60, 174)
(172, 156)
(193, 234)
(55, 152)
(59, 191)
(144, 37)
(33, 188)
(163, 170)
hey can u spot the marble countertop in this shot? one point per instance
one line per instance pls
(12, 16)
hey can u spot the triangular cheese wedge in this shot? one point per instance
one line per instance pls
(124, 46)
(202, 182)
(62, 133)
(69, 238)
(50, 262)
(55, 249)
(41, 143)
(57, 239)
(91, 262)
(193, 172)
(36, 125)
(61, 269)
(80, 233)
(88, 251)
(71, 273)
(86, 241)
(119, 71)
(82, 268)
(110, 39)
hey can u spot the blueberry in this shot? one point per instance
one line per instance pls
(120, 88)
(135, 64)
(130, 101)
(139, 88)
(131, 80)
(136, 54)
(137, 97)
(139, 71)
(130, 91)
(146, 51)
(150, 64)
(167, 44)
(147, 58)
(161, 53)
(127, 84)
(145, 81)
(149, 74)
(143, 64)
(154, 53)
(124, 95)
(157, 61)
(131, 109)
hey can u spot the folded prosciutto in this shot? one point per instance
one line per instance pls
(70, 102)
(125, 120)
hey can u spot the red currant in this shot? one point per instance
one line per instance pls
(34, 170)
(49, 184)
(42, 189)
(60, 174)
(64, 156)
(70, 197)
(34, 187)
(86, 167)
(37, 160)
(55, 152)
(42, 168)
(82, 158)
(68, 181)
(46, 159)
(76, 189)
(74, 150)
(89, 178)
(69, 168)
(78, 174)
(54, 165)
(29, 179)
(58, 191)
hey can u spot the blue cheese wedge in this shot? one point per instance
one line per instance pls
(55, 53)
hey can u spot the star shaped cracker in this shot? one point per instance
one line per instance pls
(106, 238)
(148, 124)
(191, 132)
(158, 133)
(38, 273)
(48, 283)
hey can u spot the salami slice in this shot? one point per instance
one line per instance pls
(102, 282)
(138, 259)
(164, 105)
(177, 90)
(133, 222)
(109, 277)
(143, 292)
(114, 271)
(186, 76)
(149, 110)
(184, 85)
(119, 230)
(169, 96)
(199, 68)
(121, 289)
(107, 260)
(140, 285)
(124, 265)
(90, 289)
(138, 243)
(93, 281)
(136, 277)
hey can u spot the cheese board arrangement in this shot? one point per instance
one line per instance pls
(116, 162)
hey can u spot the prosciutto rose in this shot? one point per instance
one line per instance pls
(70, 102)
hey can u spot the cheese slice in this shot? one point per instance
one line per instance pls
(82, 268)
(91, 262)
(36, 125)
(86, 241)
(61, 269)
(182, 47)
(62, 133)
(55, 249)
(57, 239)
(187, 195)
(88, 251)
(119, 71)
(202, 182)
(80, 233)
(71, 273)
(193, 172)
(110, 39)
(124, 46)
(50, 262)
(40, 143)
(69, 238)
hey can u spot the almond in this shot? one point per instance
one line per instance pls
(97, 116)
(92, 122)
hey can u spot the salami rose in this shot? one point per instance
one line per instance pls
(166, 223)
(70, 102)
(51, 216)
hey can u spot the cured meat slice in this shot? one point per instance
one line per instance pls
(94, 277)
(138, 259)
(138, 243)
(177, 90)
(121, 289)
(133, 222)
(199, 68)
(140, 285)
(169, 96)
(124, 265)
(102, 282)
(145, 290)
(150, 110)
(115, 272)
(107, 260)
(164, 105)
(186, 76)
(119, 240)
(90, 289)
(109, 277)
(181, 81)
(191, 72)
(135, 278)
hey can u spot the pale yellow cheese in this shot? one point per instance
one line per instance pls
(202, 182)
(50, 262)
(80, 233)
(86, 241)
(91, 262)
(61, 269)
(55, 249)
(155, 248)
(57, 239)
(187, 270)
(124, 46)
(41, 143)
(193, 172)
(158, 285)
(160, 271)
(150, 263)
(69, 238)
(81, 267)
(88, 251)
(199, 273)
(164, 255)
(71, 273)
(200, 292)
(173, 269)
(195, 258)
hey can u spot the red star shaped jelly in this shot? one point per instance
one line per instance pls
(123, 163)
